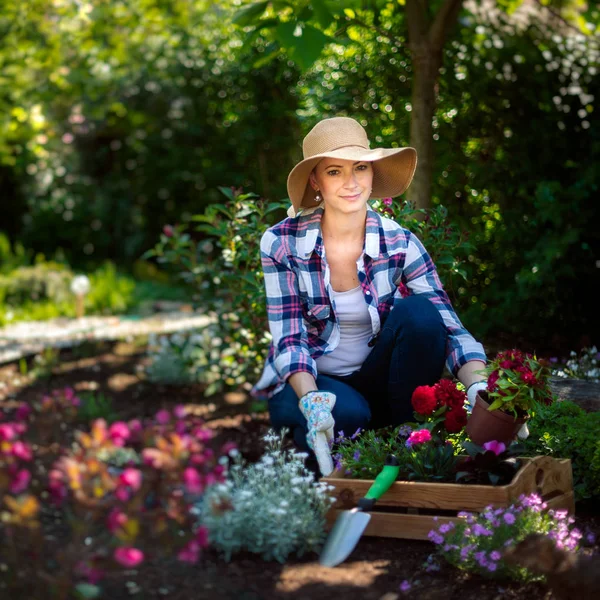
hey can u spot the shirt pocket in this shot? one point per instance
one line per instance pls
(317, 312)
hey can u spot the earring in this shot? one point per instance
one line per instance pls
(318, 198)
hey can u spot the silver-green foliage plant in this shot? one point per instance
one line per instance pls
(272, 508)
(171, 359)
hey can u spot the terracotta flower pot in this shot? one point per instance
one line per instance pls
(486, 425)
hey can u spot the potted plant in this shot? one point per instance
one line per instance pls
(516, 384)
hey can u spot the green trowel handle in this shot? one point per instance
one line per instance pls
(382, 483)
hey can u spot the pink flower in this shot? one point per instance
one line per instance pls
(116, 519)
(135, 426)
(168, 230)
(202, 536)
(179, 411)
(128, 557)
(228, 447)
(119, 433)
(190, 552)
(7, 432)
(387, 201)
(22, 450)
(419, 437)
(163, 417)
(20, 482)
(495, 447)
(192, 481)
(132, 478)
(23, 412)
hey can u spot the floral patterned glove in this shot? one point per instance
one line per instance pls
(472, 394)
(316, 407)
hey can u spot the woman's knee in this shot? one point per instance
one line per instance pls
(416, 316)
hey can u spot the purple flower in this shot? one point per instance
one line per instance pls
(492, 566)
(405, 586)
(446, 527)
(509, 518)
(495, 555)
(404, 430)
(356, 456)
(590, 538)
(435, 537)
(355, 434)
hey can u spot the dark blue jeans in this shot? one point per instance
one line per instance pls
(410, 351)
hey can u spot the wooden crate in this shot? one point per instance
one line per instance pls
(408, 508)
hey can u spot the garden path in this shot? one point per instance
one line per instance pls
(28, 338)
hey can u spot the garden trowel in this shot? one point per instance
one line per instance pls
(350, 524)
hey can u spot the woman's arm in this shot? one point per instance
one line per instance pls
(302, 383)
(468, 375)
(284, 312)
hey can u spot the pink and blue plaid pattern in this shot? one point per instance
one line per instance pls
(301, 314)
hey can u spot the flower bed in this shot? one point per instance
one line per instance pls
(409, 508)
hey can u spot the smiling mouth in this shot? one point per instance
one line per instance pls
(351, 197)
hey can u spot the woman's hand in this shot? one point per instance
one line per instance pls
(316, 407)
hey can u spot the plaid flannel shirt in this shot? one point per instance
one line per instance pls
(301, 313)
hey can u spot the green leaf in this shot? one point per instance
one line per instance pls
(322, 13)
(304, 43)
(249, 14)
(496, 404)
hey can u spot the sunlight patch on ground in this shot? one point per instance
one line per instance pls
(235, 397)
(357, 574)
(121, 381)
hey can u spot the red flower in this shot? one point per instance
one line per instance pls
(455, 420)
(492, 379)
(448, 394)
(423, 400)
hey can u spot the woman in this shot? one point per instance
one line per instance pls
(348, 349)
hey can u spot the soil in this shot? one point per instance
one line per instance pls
(374, 570)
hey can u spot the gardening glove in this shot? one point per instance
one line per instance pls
(316, 407)
(523, 433)
(472, 394)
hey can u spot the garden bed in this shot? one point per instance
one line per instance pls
(408, 509)
(374, 570)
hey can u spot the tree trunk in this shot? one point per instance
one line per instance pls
(425, 67)
(426, 36)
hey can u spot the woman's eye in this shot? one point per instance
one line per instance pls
(333, 172)
(362, 167)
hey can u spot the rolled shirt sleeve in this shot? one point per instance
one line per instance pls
(421, 277)
(284, 311)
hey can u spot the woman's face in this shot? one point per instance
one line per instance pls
(344, 185)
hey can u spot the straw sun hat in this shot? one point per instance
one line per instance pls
(345, 138)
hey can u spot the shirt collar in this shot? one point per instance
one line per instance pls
(310, 224)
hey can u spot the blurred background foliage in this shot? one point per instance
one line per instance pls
(119, 117)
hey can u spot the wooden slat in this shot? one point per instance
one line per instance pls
(549, 477)
(412, 527)
(563, 501)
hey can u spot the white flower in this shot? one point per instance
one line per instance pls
(80, 285)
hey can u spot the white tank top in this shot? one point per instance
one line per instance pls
(355, 332)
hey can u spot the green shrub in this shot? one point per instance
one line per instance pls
(565, 430)
(43, 281)
(223, 269)
(111, 292)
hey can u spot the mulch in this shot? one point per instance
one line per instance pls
(374, 570)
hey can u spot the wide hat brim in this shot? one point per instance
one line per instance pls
(393, 170)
